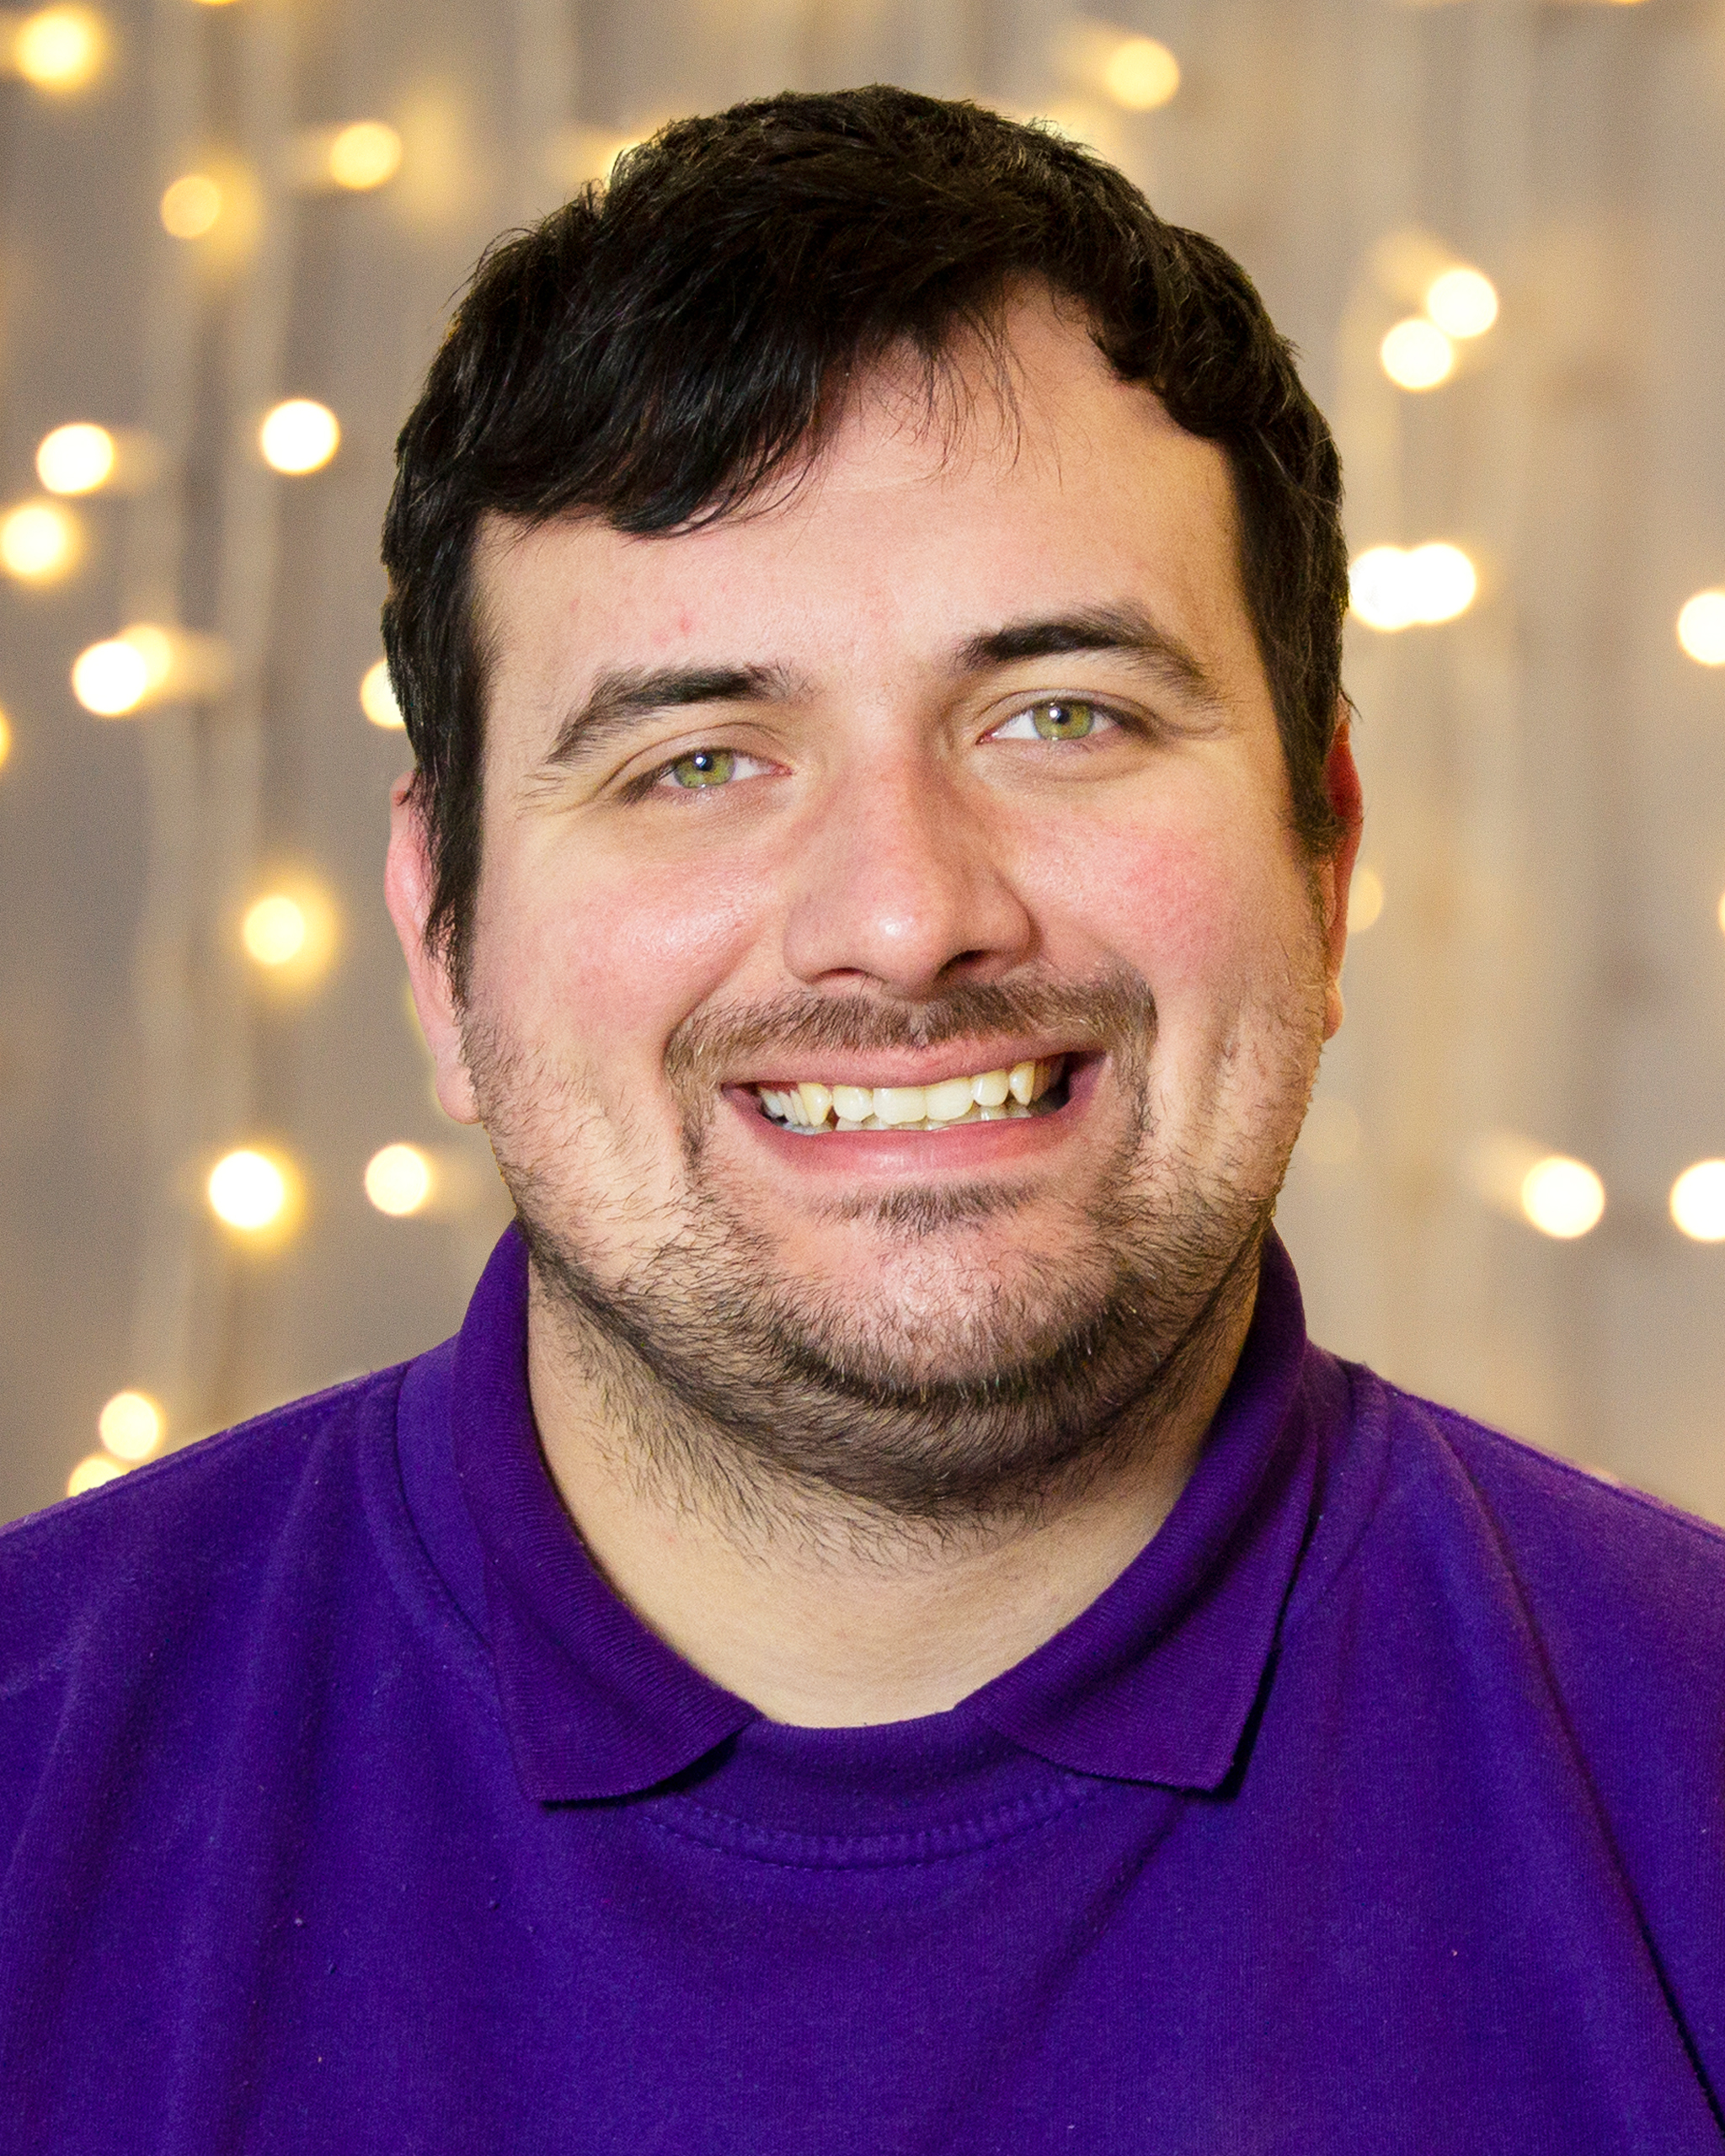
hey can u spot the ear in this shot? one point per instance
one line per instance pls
(408, 888)
(1336, 872)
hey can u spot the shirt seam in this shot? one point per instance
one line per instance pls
(1069, 1800)
(426, 1599)
(1565, 1470)
(1368, 1406)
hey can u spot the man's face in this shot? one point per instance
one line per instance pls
(959, 759)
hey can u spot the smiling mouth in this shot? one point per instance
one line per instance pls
(812, 1108)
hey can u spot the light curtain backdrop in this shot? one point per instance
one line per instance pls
(1546, 772)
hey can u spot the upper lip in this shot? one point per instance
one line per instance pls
(908, 1067)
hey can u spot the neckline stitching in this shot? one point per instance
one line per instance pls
(796, 1852)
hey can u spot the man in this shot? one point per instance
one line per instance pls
(880, 1634)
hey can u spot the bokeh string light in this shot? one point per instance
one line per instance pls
(1141, 74)
(1416, 354)
(114, 678)
(1102, 61)
(1554, 1192)
(290, 932)
(1393, 588)
(1698, 1202)
(365, 155)
(148, 664)
(299, 435)
(255, 1192)
(1419, 352)
(1365, 899)
(399, 1180)
(131, 1426)
(1700, 628)
(1462, 301)
(191, 205)
(1563, 1197)
(91, 1472)
(76, 459)
(377, 697)
(40, 542)
(59, 50)
(274, 930)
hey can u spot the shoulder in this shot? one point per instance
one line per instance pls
(1578, 1542)
(163, 1549)
(1617, 1600)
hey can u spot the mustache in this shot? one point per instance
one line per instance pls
(1112, 1010)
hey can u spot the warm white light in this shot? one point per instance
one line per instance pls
(1378, 590)
(291, 932)
(1393, 588)
(1365, 899)
(275, 929)
(1442, 580)
(1563, 1197)
(1416, 354)
(299, 435)
(249, 1191)
(190, 205)
(110, 678)
(115, 677)
(39, 541)
(58, 48)
(76, 459)
(398, 1180)
(1700, 628)
(130, 1426)
(1698, 1202)
(365, 155)
(377, 696)
(1463, 302)
(92, 1473)
(5, 739)
(1141, 74)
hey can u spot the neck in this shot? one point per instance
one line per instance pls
(821, 1613)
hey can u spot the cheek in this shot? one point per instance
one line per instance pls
(1196, 906)
(610, 961)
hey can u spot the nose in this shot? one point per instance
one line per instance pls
(901, 885)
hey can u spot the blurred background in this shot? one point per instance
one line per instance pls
(229, 237)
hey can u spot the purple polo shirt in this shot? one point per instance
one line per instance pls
(1378, 1805)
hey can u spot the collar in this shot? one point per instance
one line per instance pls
(1155, 1682)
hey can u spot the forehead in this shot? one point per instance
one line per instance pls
(1024, 475)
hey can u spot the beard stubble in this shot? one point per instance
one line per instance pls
(734, 1383)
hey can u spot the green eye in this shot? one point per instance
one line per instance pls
(704, 767)
(1063, 722)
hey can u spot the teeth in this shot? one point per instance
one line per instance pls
(948, 1101)
(901, 1104)
(992, 1096)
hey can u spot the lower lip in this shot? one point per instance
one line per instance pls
(960, 1146)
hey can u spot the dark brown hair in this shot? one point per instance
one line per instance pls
(660, 349)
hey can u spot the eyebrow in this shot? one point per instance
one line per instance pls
(626, 694)
(1123, 628)
(623, 696)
